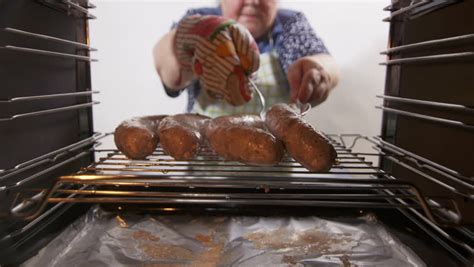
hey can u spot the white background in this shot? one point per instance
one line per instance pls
(126, 31)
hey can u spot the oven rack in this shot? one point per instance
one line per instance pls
(352, 182)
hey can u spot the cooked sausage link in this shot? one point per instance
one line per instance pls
(243, 139)
(305, 144)
(138, 138)
(180, 135)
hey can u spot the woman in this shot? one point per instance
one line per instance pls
(294, 63)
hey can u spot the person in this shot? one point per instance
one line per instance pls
(294, 63)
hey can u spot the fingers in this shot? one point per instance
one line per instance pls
(310, 82)
(313, 86)
(319, 95)
(295, 74)
(321, 92)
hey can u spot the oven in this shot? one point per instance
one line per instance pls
(56, 177)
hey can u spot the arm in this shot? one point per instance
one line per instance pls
(312, 72)
(166, 64)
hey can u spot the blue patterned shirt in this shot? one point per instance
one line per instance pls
(292, 35)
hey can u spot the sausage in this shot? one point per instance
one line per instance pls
(180, 135)
(243, 139)
(304, 143)
(138, 138)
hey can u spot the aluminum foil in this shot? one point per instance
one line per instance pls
(101, 238)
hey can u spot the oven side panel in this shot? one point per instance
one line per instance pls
(26, 74)
(27, 137)
(444, 81)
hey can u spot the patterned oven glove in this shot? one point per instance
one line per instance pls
(222, 55)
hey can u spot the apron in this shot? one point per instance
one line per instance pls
(270, 79)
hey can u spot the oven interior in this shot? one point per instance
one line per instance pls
(53, 167)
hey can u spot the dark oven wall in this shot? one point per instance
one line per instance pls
(45, 98)
(425, 73)
(28, 74)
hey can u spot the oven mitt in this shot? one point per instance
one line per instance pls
(222, 55)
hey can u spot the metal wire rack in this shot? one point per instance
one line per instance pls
(353, 182)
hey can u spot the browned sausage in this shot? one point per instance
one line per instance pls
(302, 141)
(243, 139)
(180, 135)
(137, 138)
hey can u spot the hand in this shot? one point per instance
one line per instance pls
(309, 81)
(220, 53)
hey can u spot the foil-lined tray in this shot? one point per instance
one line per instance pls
(102, 238)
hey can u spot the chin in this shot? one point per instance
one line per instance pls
(255, 31)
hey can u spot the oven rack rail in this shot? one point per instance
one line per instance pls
(161, 180)
(397, 55)
(80, 47)
(48, 38)
(416, 8)
(71, 8)
(427, 105)
(404, 10)
(18, 116)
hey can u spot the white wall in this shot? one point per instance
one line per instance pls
(126, 31)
